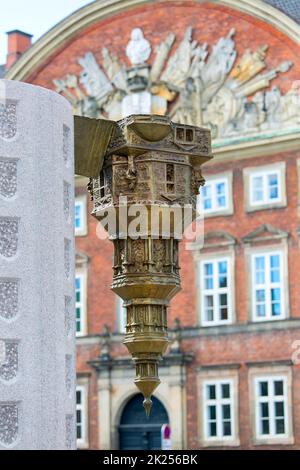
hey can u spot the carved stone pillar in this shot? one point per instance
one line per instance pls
(151, 169)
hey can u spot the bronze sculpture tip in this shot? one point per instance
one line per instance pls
(147, 403)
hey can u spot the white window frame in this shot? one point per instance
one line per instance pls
(261, 373)
(81, 201)
(218, 402)
(82, 443)
(216, 291)
(271, 399)
(278, 168)
(82, 274)
(215, 209)
(267, 286)
(120, 315)
(265, 187)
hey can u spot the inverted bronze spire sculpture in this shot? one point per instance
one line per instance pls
(140, 167)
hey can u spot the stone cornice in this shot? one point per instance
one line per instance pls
(199, 331)
(81, 19)
(126, 362)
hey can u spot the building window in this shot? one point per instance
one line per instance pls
(121, 316)
(216, 195)
(265, 187)
(218, 410)
(215, 292)
(271, 407)
(267, 286)
(80, 216)
(170, 178)
(80, 303)
(185, 134)
(81, 416)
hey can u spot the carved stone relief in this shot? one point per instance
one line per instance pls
(8, 178)
(9, 423)
(8, 120)
(9, 290)
(218, 89)
(8, 236)
(9, 369)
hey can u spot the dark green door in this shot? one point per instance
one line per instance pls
(136, 431)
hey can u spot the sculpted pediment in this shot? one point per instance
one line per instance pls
(265, 232)
(191, 82)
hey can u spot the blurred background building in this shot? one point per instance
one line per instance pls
(231, 378)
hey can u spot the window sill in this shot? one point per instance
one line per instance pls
(273, 441)
(82, 233)
(263, 207)
(217, 213)
(221, 443)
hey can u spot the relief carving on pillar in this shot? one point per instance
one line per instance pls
(9, 229)
(9, 423)
(8, 178)
(8, 120)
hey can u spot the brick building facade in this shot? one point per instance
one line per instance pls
(231, 378)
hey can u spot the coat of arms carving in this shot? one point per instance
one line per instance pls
(229, 94)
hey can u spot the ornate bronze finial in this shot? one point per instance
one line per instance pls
(151, 169)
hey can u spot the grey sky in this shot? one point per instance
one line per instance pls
(33, 16)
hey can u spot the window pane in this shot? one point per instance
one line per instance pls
(212, 429)
(224, 313)
(212, 412)
(260, 303)
(78, 432)
(273, 186)
(260, 295)
(225, 390)
(278, 387)
(274, 261)
(209, 311)
(78, 416)
(207, 204)
(260, 270)
(265, 426)
(226, 428)
(78, 397)
(78, 312)
(260, 262)
(279, 426)
(260, 310)
(208, 283)
(211, 392)
(226, 412)
(220, 188)
(257, 188)
(222, 268)
(275, 295)
(206, 190)
(221, 201)
(279, 409)
(263, 389)
(208, 269)
(264, 409)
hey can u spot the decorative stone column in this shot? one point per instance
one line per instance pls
(37, 376)
(150, 166)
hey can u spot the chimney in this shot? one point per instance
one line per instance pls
(18, 43)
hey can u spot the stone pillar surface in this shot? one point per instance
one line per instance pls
(37, 376)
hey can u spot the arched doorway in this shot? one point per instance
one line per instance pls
(136, 431)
